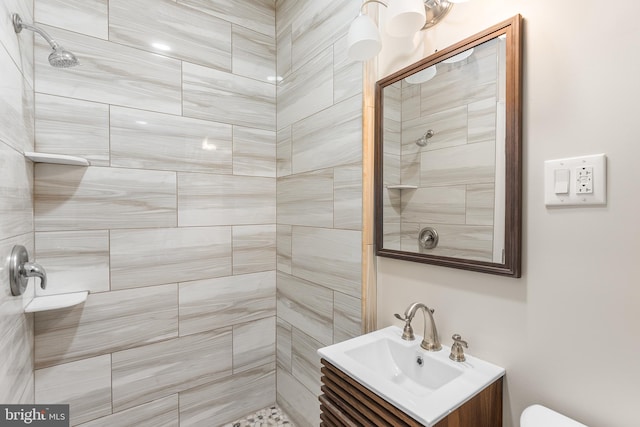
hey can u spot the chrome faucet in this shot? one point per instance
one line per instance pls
(430, 343)
(20, 269)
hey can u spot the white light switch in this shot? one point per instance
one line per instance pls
(561, 181)
(576, 181)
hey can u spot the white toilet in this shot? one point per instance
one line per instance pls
(539, 416)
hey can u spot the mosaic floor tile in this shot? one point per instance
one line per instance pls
(272, 416)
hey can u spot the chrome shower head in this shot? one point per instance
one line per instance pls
(424, 139)
(60, 57)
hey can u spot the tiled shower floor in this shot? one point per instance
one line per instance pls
(271, 416)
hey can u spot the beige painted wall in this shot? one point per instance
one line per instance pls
(567, 331)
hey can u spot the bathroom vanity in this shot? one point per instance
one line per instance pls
(345, 402)
(381, 379)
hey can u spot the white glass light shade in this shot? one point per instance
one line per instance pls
(363, 40)
(405, 17)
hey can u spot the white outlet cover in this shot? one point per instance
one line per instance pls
(598, 163)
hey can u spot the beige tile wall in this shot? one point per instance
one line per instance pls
(16, 204)
(319, 205)
(173, 226)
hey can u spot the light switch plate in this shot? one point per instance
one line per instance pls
(587, 181)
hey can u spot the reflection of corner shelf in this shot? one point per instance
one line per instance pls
(59, 159)
(402, 187)
(54, 302)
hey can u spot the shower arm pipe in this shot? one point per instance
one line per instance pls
(19, 25)
(371, 1)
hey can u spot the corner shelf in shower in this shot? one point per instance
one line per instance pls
(402, 187)
(55, 302)
(59, 159)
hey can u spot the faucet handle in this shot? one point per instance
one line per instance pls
(457, 352)
(407, 332)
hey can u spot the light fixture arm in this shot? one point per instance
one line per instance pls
(371, 1)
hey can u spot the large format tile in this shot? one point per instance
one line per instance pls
(224, 97)
(283, 248)
(332, 137)
(72, 127)
(16, 210)
(106, 322)
(306, 199)
(73, 198)
(228, 399)
(254, 54)
(307, 306)
(480, 204)
(254, 152)
(465, 164)
(168, 255)
(18, 46)
(16, 105)
(170, 29)
(110, 73)
(254, 248)
(305, 360)
(283, 152)
(460, 241)
(206, 199)
(307, 90)
(482, 120)
(157, 370)
(75, 260)
(347, 316)
(439, 205)
(296, 400)
(254, 344)
(159, 413)
(328, 257)
(449, 129)
(85, 385)
(16, 372)
(147, 140)
(210, 304)
(318, 27)
(259, 15)
(347, 73)
(347, 197)
(283, 344)
(89, 17)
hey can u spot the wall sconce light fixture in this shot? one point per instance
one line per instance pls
(404, 18)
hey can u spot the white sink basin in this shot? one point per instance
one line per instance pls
(388, 366)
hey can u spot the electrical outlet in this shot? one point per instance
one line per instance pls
(584, 180)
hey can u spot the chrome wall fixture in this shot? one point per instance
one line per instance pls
(20, 269)
(404, 18)
(60, 57)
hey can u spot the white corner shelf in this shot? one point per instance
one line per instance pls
(55, 302)
(58, 159)
(402, 187)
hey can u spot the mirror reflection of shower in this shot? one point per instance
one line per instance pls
(424, 139)
(60, 57)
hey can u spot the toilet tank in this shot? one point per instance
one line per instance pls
(540, 416)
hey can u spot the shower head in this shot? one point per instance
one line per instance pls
(60, 57)
(422, 141)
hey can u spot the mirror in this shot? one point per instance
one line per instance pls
(448, 154)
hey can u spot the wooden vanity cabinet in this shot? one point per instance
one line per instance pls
(346, 403)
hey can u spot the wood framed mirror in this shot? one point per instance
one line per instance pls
(448, 156)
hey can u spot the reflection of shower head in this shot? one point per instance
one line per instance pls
(422, 141)
(60, 57)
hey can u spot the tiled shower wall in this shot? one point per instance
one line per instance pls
(16, 207)
(173, 226)
(319, 194)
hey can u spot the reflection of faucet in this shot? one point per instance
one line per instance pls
(431, 343)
